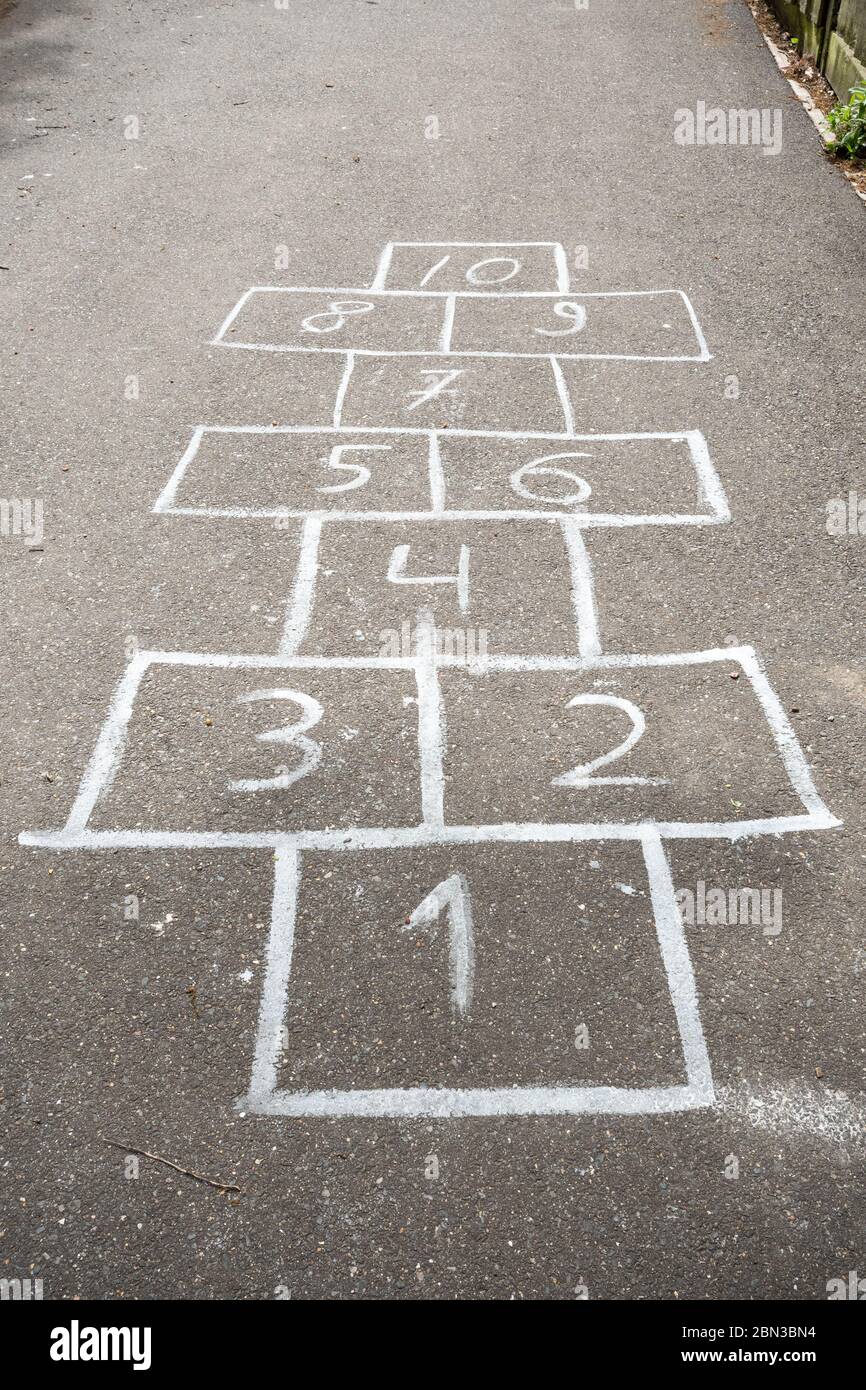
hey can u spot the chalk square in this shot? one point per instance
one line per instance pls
(562, 982)
(488, 587)
(695, 741)
(475, 266)
(616, 480)
(333, 319)
(236, 745)
(483, 393)
(471, 1010)
(645, 325)
(298, 472)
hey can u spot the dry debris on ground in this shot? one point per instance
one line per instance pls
(802, 68)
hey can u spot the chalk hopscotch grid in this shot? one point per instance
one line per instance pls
(264, 1097)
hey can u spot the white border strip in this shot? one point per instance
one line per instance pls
(108, 752)
(459, 294)
(447, 324)
(421, 1103)
(586, 521)
(232, 314)
(300, 606)
(435, 480)
(678, 968)
(582, 591)
(431, 724)
(165, 502)
(412, 837)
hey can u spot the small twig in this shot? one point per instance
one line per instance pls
(188, 1172)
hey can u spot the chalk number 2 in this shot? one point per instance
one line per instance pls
(582, 774)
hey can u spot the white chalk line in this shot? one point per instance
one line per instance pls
(469, 244)
(461, 294)
(232, 314)
(300, 606)
(435, 477)
(447, 324)
(383, 266)
(165, 502)
(710, 490)
(275, 990)
(582, 591)
(478, 353)
(705, 354)
(562, 277)
(414, 836)
(784, 737)
(585, 520)
(107, 754)
(423, 1103)
(431, 724)
(478, 663)
(678, 967)
(675, 436)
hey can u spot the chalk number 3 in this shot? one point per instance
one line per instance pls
(294, 734)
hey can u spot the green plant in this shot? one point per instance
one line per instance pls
(848, 124)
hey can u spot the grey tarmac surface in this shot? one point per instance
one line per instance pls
(287, 147)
